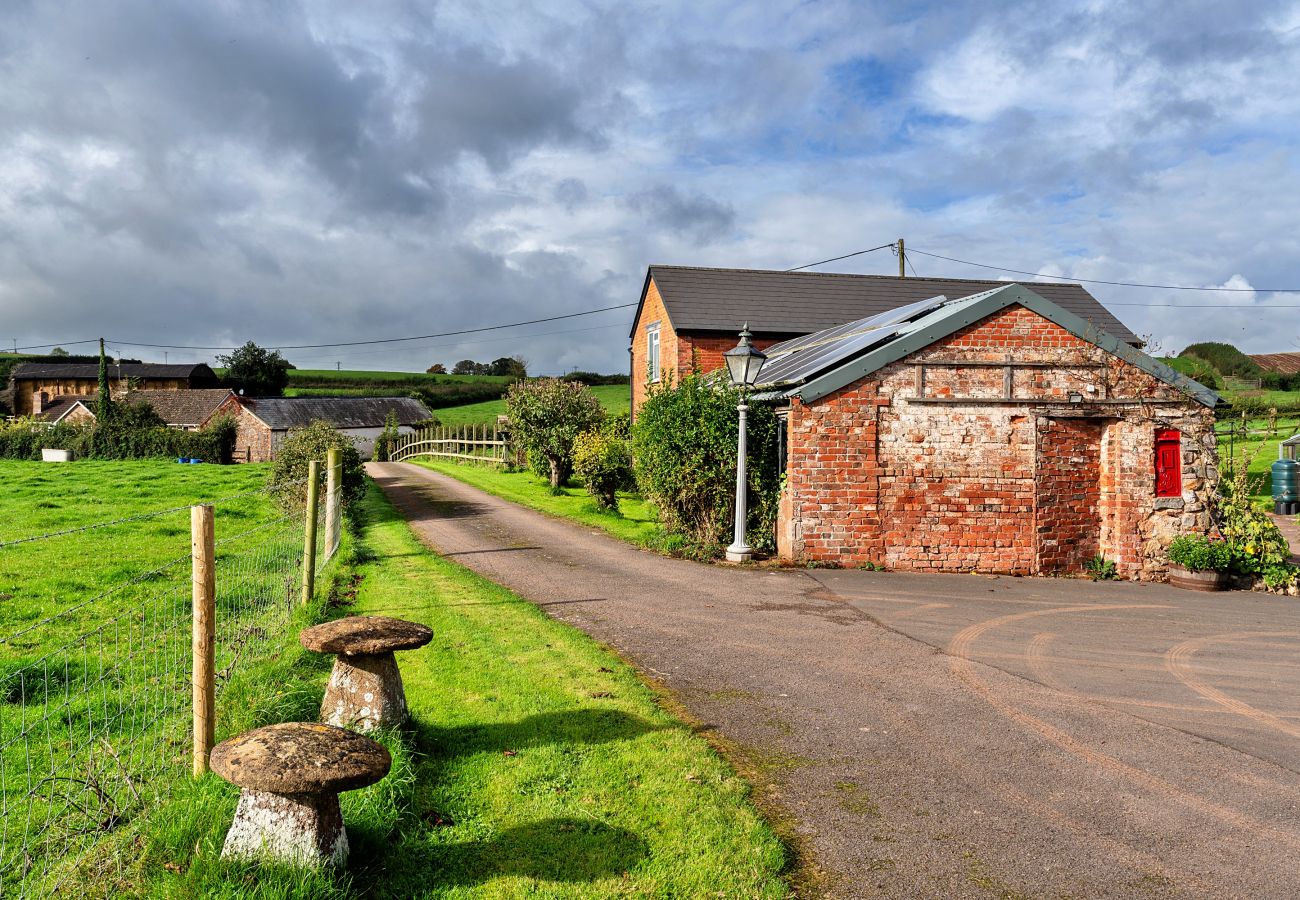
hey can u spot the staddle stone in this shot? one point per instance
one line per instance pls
(365, 636)
(365, 690)
(290, 775)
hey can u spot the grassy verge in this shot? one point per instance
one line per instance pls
(635, 521)
(536, 764)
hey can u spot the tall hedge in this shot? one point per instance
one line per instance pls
(684, 453)
(25, 438)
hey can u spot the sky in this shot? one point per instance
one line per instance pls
(199, 174)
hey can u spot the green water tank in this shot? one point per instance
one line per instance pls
(1286, 481)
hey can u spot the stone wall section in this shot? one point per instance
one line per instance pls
(876, 476)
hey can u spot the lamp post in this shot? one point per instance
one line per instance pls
(743, 363)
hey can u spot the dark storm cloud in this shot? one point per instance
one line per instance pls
(701, 217)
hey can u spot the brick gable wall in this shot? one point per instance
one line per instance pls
(1038, 484)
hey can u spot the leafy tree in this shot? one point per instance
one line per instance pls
(514, 366)
(104, 400)
(546, 417)
(465, 367)
(436, 369)
(255, 370)
(59, 351)
(684, 447)
(299, 448)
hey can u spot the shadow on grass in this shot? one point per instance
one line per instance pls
(578, 726)
(559, 849)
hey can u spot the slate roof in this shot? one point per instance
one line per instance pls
(817, 364)
(1285, 363)
(193, 371)
(793, 303)
(190, 408)
(342, 412)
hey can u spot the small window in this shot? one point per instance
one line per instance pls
(1169, 463)
(652, 351)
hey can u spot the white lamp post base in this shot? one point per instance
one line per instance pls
(739, 553)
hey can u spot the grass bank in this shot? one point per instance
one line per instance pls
(613, 397)
(635, 521)
(536, 764)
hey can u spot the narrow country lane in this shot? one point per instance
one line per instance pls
(920, 760)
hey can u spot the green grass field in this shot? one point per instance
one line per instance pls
(1258, 448)
(613, 397)
(536, 764)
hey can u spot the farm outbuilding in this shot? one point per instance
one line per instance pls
(264, 422)
(998, 432)
(33, 385)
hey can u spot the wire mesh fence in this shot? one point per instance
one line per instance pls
(96, 674)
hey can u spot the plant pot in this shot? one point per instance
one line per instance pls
(1197, 581)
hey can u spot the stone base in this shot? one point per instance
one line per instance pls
(298, 829)
(364, 693)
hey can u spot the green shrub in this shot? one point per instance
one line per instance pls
(387, 437)
(546, 417)
(1099, 568)
(684, 452)
(300, 447)
(132, 433)
(604, 463)
(1281, 576)
(1197, 553)
(1255, 541)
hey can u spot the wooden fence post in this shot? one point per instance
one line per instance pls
(202, 549)
(333, 475)
(309, 538)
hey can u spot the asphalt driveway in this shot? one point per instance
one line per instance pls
(947, 736)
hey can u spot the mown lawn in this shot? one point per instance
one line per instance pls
(634, 522)
(536, 764)
(614, 397)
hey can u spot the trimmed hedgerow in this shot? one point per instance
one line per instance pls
(129, 435)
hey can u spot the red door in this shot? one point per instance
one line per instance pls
(1169, 463)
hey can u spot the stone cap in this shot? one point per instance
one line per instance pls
(301, 758)
(365, 636)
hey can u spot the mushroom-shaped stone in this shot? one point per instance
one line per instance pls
(365, 689)
(291, 775)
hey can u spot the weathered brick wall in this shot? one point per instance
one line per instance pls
(1029, 485)
(253, 439)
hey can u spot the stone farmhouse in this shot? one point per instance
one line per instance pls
(994, 430)
(33, 385)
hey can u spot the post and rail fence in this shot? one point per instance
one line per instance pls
(115, 652)
(487, 444)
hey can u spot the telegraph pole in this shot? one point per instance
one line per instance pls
(902, 260)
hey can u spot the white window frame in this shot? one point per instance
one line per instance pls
(652, 352)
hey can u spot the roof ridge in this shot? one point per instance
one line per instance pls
(853, 275)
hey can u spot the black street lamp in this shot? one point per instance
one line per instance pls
(743, 362)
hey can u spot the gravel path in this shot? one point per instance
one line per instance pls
(929, 765)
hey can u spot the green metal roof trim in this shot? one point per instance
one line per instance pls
(957, 314)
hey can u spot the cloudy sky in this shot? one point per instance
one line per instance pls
(203, 173)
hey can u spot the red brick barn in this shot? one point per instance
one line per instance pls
(689, 316)
(999, 432)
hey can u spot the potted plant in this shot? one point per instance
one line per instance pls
(1198, 563)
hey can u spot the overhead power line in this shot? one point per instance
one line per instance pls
(1067, 278)
(845, 256)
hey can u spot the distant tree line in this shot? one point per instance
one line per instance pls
(510, 366)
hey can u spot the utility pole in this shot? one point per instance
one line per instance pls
(902, 260)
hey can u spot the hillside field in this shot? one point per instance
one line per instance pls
(614, 397)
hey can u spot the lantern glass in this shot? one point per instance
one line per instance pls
(744, 361)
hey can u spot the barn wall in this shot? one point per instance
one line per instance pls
(875, 476)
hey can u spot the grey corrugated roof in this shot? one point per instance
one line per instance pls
(341, 412)
(30, 371)
(821, 363)
(791, 303)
